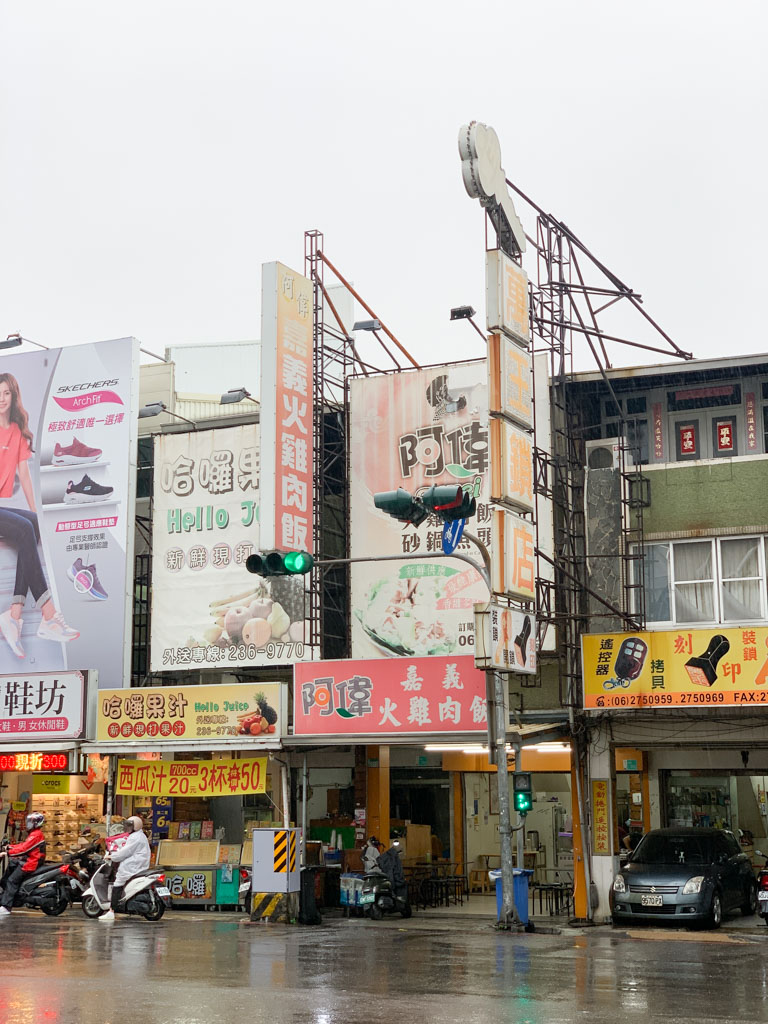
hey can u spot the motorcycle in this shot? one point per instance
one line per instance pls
(79, 867)
(762, 888)
(385, 890)
(144, 895)
(46, 889)
(245, 888)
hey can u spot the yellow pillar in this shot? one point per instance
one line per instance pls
(378, 793)
(579, 875)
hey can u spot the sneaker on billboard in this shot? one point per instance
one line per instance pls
(11, 630)
(86, 580)
(75, 454)
(56, 628)
(86, 490)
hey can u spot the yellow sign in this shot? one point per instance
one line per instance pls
(189, 884)
(226, 777)
(601, 818)
(676, 668)
(19, 805)
(250, 710)
(50, 784)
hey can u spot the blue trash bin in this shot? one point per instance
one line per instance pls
(519, 891)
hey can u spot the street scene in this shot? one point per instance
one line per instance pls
(383, 534)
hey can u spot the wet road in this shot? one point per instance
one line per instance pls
(195, 968)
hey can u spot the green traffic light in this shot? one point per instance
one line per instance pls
(298, 562)
(280, 563)
(523, 802)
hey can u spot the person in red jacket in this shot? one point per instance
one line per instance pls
(25, 857)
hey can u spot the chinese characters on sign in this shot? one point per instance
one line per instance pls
(750, 417)
(687, 443)
(190, 885)
(722, 667)
(505, 639)
(48, 706)
(601, 817)
(724, 435)
(506, 296)
(420, 695)
(36, 761)
(512, 470)
(286, 409)
(658, 432)
(513, 567)
(191, 712)
(226, 777)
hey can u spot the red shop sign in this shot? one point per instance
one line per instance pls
(389, 696)
(687, 439)
(725, 436)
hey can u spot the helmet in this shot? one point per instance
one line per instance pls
(134, 824)
(34, 820)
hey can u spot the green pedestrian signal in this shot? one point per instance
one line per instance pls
(401, 506)
(449, 502)
(280, 563)
(521, 784)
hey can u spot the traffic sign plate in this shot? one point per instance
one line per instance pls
(452, 535)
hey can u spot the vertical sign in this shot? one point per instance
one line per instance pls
(286, 410)
(751, 421)
(512, 471)
(658, 433)
(686, 439)
(509, 379)
(513, 569)
(506, 290)
(724, 435)
(601, 818)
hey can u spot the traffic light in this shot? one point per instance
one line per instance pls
(449, 502)
(521, 784)
(280, 563)
(401, 506)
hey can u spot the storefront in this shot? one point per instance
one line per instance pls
(202, 766)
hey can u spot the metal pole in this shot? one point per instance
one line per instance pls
(110, 790)
(509, 915)
(286, 808)
(304, 788)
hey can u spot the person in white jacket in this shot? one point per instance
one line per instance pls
(131, 858)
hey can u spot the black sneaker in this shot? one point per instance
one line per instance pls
(86, 490)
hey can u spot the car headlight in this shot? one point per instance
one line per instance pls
(693, 885)
(619, 884)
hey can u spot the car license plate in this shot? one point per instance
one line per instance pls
(651, 901)
(763, 895)
(367, 897)
(162, 891)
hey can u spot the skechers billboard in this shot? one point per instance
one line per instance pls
(67, 488)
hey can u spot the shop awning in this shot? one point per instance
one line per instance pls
(181, 747)
(47, 746)
(539, 731)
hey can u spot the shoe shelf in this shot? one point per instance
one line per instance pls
(84, 466)
(60, 505)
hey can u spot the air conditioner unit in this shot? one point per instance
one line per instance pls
(602, 454)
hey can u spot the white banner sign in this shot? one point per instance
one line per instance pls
(46, 706)
(506, 293)
(505, 639)
(207, 609)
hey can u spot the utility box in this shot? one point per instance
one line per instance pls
(276, 856)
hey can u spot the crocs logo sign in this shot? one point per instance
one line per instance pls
(485, 179)
(77, 402)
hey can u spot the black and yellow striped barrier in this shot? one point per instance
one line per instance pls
(281, 852)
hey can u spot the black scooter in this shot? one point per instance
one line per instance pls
(386, 891)
(46, 889)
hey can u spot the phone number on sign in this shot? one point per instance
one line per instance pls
(277, 651)
(645, 700)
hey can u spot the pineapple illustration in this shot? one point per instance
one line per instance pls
(266, 711)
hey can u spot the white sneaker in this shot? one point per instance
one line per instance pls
(11, 630)
(4, 912)
(56, 628)
(109, 916)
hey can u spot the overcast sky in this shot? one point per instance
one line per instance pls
(155, 154)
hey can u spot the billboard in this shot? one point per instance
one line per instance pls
(224, 777)
(689, 668)
(505, 639)
(207, 610)
(408, 696)
(506, 295)
(414, 429)
(287, 449)
(67, 488)
(42, 707)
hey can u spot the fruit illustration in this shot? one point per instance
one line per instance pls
(268, 713)
(234, 620)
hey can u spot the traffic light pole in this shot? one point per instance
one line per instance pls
(496, 701)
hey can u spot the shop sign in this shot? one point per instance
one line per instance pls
(392, 697)
(511, 465)
(413, 430)
(724, 435)
(686, 443)
(676, 668)
(246, 712)
(513, 569)
(51, 784)
(601, 818)
(35, 761)
(750, 406)
(46, 706)
(658, 433)
(226, 777)
(287, 405)
(79, 406)
(207, 504)
(505, 639)
(506, 295)
(189, 884)
(510, 380)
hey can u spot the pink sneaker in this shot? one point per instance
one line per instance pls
(56, 628)
(75, 454)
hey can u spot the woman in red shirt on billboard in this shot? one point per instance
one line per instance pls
(19, 527)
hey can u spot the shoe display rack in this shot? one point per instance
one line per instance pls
(66, 817)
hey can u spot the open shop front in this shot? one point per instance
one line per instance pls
(196, 764)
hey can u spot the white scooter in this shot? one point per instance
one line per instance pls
(144, 894)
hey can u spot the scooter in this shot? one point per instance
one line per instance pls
(46, 889)
(79, 867)
(762, 888)
(245, 888)
(144, 893)
(385, 891)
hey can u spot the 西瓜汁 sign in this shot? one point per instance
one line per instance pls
(389, 696)
(244, 712)
(42, 707)
(226, 777)
(716, 667)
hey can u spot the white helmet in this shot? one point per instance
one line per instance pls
(134, 823)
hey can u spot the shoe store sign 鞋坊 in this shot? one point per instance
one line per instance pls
(41, 708)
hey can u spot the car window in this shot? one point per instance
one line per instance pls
(732, 845)
(664, 849)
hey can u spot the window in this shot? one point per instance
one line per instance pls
(706, 581)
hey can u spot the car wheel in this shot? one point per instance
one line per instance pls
(715, 911)
(749, 906)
